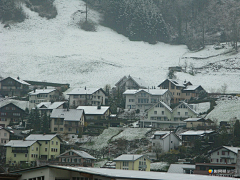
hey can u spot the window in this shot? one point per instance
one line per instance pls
(46, 142)
(61, 129)
(55, 129)
(63, 159)
(13, 108)
(5, 134)
(52, 142)
(16, 114)
(75, 96)
(131, 100)
(162, 112)
(223, 152)
(217, 160)
(125, 163)
(218, 153)
(155, 112)
(36, 148)
(178, 113)
(56, 142)
(32, 148)
(3, 114)
(69, 129)
(45, 149)
(186, 113)
(15, 155)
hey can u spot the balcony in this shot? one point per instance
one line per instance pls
(71, 125)
(19, 151)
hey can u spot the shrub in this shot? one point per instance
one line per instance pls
(88, 26)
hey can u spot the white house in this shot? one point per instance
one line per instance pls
(224, 155)
(86, 97)
(143, 99)
(165, 141)
(160, 115)
(48, 106)
(4, 136)
(42, 95)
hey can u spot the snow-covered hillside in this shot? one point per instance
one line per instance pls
(57, 50)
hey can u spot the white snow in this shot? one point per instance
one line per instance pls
(226, 110)
(130, 134)
(57, 50)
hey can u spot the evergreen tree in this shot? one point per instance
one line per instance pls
(236, 133)
(30, 123)
(45, 123)
(37, 120)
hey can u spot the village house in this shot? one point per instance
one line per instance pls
(49, 145)
(198, 123)
(133, 162)
(67, 121)
(12, 111)
(13, 87)
(160, 115)
(130, 82)
(4, 136)
(47, 107)
(143, 99)
(76, 158)
(224, 155)
(86, 97)
(181, 90)
(189, 137)
(42, 95)
(21, 151)
(165, 141)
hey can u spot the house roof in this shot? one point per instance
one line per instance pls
(161, 132)
(194, 120)
(67, 115)
(21, 104)
(18, 80)
(41, 91)
(40, 137)
(196, 133)
(129, 157)
(19, 143)
(186, 106)
(163, 103)
(178, 168)
(80, 153)
(123, 78)
(230, 148)
(123, 174)
(94, 109)
(191, 87)
(89, 91)
(138, 81)
(49, 105)
(157, 92)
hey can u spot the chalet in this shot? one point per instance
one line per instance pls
(189, 137)
(76, 158)
(133, 162)
(13, 87)
(130, 82)
(12, 111)
(42, 95)
(67, 121)
(143, 99)
(4, 136)
(87, 97)
(181, 90)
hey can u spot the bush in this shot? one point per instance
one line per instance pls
(88, 26)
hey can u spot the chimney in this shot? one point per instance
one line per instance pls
(18, 77)
(85, 88)
(99, 107)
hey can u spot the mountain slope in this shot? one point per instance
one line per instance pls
(57, 50)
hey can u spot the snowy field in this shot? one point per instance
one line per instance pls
(226, 110)
(111, 133)
(57, 50)
(201, 107)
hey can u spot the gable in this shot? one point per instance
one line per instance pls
(11, 106)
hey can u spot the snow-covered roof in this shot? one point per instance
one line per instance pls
(156, 92)
(77, 91)
(233, 149)
(161, 132)
(20, 143)
(18, 80)
(186, 104)
(130, 174)
(123, 78)
(191, 87)
(94, 109)
(67, 115)
(41, 91)
(163, 103)
(195, 133)
(178, 168)
(129, 157)
(193, 119)
(21, 104)
(80, 153)
(139, 81)
(40, 137)
(49, 105)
